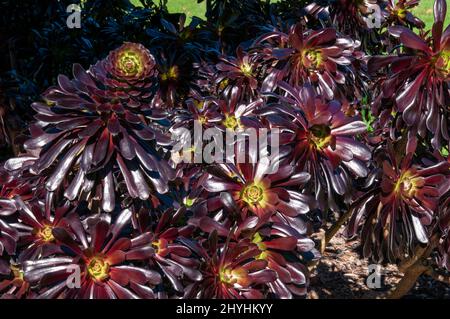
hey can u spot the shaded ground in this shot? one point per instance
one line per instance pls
(342, 274)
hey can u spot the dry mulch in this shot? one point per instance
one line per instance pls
(342, 274)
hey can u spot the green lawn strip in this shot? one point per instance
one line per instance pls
(191, 8)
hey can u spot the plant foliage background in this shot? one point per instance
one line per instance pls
(88, 180)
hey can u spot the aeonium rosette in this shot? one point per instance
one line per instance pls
(175, 77)
(230, 270)
(356, 18)
(203, 110)
(8, 244)
(324, 141)
(16, 183)
(129, 69)
(399, 12)
(34, 223)
(286, 249)
(395, 215)
(260, 191)
(419, 80)
(225, 119)
(200, 114)
(242, 71)
(320, 58)
(89, 135)
(161, 236)
(236, 113)
(103, 256)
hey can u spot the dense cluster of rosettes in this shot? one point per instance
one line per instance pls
(96, 206)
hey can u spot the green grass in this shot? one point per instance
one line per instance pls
(189, 7)
(425, 12)
(192, 8)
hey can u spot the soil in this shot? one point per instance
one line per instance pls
(342, 274)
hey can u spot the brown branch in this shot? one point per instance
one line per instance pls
(408, 281)
(320, 238)
(421, 252)
(332, 231)
(404, 265)
(414, 267)
(437, 276)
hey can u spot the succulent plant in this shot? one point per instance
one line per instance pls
(324, 141)
(419, 82)
(397, 212)
(95, 202)
(101, 259)
(99, 135)
(321, 58)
